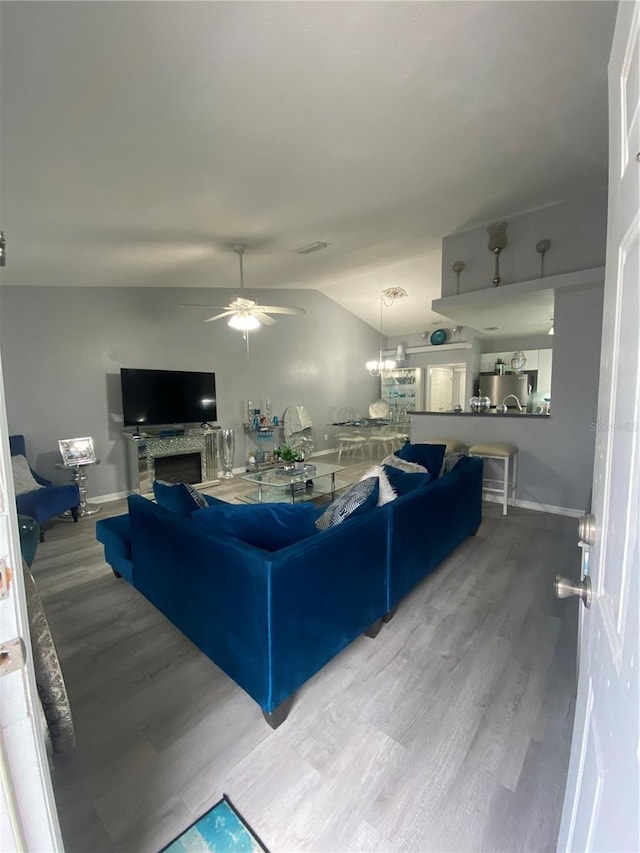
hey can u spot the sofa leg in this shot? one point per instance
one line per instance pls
(389, 616)
(374, 629)
(473, 532)
(74, 513)
(41, 534)
(279, 714)
(117, 574)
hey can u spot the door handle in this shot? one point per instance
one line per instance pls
(587, 529)
(564, 588)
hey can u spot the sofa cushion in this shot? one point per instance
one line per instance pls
(410, 467)
(386, 491)
(182, 498)
(115, 535)
(23, 481)
(360, 498)
(429, 455)
(404, 481)
(270, 526)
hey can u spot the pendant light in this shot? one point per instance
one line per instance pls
(387, 297)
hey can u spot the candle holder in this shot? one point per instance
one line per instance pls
(497, 243)
(227, 449)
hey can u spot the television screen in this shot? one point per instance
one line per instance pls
(158, 397)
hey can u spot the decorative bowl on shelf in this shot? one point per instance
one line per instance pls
(480, 404)
(438, 337)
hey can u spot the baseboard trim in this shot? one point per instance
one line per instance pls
(114, 496)
(537, 507)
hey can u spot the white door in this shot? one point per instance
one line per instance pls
(28, 818)
(601, 809)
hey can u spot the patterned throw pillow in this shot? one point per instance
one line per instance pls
(178, 497)
(357, 500)
(403, 465)
(386, 491)
(450, 461)
(22, 477)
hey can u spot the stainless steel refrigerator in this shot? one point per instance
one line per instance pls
(498, 387)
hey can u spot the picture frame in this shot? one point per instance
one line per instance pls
(77, 451)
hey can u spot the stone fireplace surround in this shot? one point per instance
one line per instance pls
(143, 450)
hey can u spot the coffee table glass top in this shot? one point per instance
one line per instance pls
(280, 477)
(277, 485)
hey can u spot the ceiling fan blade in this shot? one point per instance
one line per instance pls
(275, 309)
(265, 319)
(202, 305)
(219, 316)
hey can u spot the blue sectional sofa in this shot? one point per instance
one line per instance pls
(271, 620)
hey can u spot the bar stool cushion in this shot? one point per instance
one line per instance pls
(497, 449)
(453, 445)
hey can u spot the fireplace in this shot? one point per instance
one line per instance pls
(181, 468)
(190, 457)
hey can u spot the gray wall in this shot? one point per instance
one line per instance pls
(62, 350)
(577, 230)
(555, 453)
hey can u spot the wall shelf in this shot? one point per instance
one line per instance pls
(457, 345)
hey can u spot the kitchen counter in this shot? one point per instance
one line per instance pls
(490, 414)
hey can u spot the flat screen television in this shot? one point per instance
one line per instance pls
(163, 397)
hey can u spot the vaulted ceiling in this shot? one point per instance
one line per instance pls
(139, 140)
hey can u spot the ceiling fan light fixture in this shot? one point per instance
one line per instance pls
(244, 322)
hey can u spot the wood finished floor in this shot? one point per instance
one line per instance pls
(449, 731)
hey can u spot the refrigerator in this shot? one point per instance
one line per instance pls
(498, 387)
(402, 388)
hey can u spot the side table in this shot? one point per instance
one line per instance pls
(79, 477)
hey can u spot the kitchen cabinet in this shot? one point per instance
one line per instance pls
(488, 360)
(545, 358)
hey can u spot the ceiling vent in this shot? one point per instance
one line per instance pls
(312, 247)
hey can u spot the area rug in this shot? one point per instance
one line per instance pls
(221, 830)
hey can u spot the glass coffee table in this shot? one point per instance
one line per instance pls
(279, 486)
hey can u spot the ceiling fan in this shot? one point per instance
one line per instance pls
(245, 314)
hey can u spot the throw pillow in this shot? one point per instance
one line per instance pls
(360, 498)
(22, 477)
(178, 497)
(404, 482)
(410, 467)
(385, 488)
(270, 526)
(450, 462)
(429, 455)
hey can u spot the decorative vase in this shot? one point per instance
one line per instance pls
(227, 448)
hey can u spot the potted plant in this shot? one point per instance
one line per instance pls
(289, 456)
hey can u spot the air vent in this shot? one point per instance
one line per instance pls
(312, 247)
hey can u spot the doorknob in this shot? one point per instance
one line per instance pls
(587, 528)
(564, 588)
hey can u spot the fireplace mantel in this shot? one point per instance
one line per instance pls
(144, 449)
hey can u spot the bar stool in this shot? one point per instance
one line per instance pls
(504, 453)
